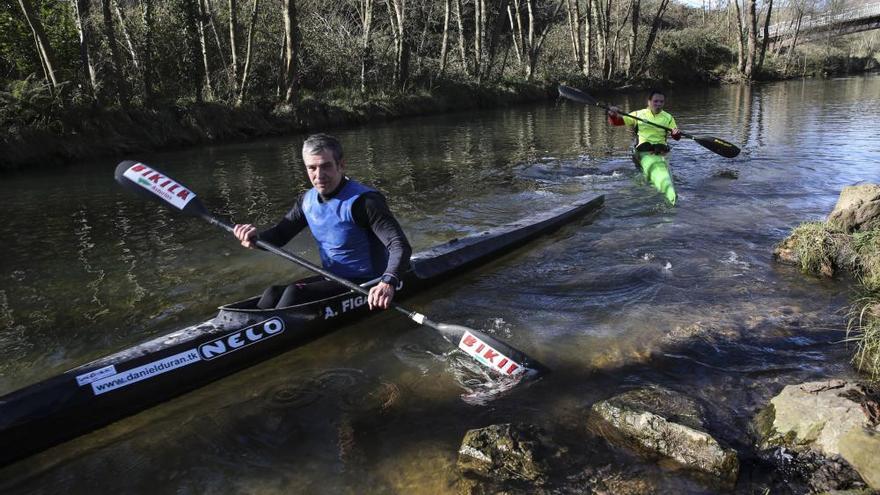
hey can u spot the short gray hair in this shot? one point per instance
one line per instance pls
(317, 143)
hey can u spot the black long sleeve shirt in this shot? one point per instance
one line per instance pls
(370, 211)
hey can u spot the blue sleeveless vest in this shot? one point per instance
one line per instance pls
(346, 249)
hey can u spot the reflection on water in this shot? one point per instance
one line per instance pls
(684, 297)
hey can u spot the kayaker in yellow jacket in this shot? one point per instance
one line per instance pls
(651, 147)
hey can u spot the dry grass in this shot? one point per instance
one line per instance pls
(864, 330)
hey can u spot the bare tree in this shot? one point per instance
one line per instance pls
(652, 35)
(289, 68)
(752, 40)
(245, 71)
(573, 10)
(480, 26)
(115, 65)
(461, 38)
(531, 43)
(635, 6)
(740, 44)
(764, 41)
(147, 22)
(397, 17)
(233, 45)
(123, 27)
(44, 49)
(447, 7)
(82, 12)
(366, 43)
(202, 19)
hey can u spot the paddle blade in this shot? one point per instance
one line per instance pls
(149, 182)
(717, 145)
(489, 351)
(576, 95)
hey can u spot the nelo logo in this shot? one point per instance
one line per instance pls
(487, 355)
(241, 338)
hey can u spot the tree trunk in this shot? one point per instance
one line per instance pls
(233, 44)
(115, 66)
(461, 40)
(247, 56)
(366, 45)
(147, 21)
(740, 45)
(447, 6)
(209, 19)
(479, 37)
(290, 49)
(574, 30)
(515, 33)
(82, 11)
(192, 40)
(633, 37)
(535, 43)
(589, 38)
(44, 50)
(135, 60)
(203, 46)
(753, 39)
(397, 17)
(797, 30)
(652, 35)
(766, 34)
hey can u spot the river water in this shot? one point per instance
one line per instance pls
(644, 294)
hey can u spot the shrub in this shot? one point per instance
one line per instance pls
(690, 54)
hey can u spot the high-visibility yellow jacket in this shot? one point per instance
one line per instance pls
(647, 132)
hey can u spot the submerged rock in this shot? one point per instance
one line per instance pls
(831, 418)
(857, 209)
(813, 414)
(505, 452)
(727, 173)
(660, 422)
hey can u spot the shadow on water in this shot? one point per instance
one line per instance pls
(686, 297)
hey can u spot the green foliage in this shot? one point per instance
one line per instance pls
(689, 54)
(28, 102)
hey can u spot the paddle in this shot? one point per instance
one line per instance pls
(492, 353)
(714, 144)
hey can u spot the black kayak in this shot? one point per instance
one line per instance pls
(93, 395)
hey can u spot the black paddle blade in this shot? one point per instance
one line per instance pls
(576, 95)
(149, 182)
(492, 353)
(717, 145)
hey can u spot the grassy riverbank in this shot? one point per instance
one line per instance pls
(822, 249)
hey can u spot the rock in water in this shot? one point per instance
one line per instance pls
(668, 424)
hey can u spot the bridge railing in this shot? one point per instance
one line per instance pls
(864, 11)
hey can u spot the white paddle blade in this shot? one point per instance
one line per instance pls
(489, 352)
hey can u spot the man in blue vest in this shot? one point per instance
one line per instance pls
(358, 237)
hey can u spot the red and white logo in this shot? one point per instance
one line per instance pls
(487, 355)
(164, 187)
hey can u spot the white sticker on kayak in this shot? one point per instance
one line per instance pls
(149, 370)
(164, 187)
(93, 375)
(487, 355)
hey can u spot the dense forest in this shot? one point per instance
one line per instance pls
(60, 59)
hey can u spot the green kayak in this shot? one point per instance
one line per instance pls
(655, 168)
